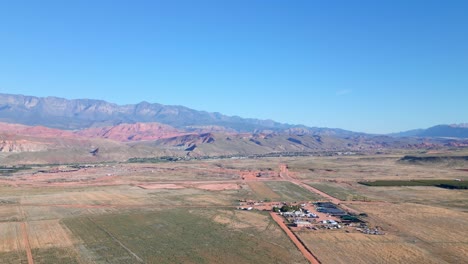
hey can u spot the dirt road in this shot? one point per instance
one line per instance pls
(307, 254)
(284, 172)
(24, 230)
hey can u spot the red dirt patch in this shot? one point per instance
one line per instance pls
(305, 251)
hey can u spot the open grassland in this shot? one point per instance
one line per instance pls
(254, 237)
(367, 168)
(339, 177)
(433, 196)
(291, 192)
(440, 231)
(414, 234)
(265, 164)
(9, 214)
(13, 257)
(281, 191)
(177, 171)
(47, 241)
(114, 216)
(48, 234)
(56, 255)
(10, 234)
(262, 192)
(339, 247)
(183, 236)
(340, 191)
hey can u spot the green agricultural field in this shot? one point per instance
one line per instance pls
(448, 184)
(7, 171)
(291, 192)
(54, 255)
(338, 191)
(183, 236)
(13, 257)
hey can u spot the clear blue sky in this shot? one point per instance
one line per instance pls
(372, 66)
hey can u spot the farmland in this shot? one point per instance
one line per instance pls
(447, 184)
(282, 191)
(291, 192)
(338, 247)
(415, 234)
(185, 212)
(181, 236)
(341, 192)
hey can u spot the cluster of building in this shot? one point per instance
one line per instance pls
(299, 213)
(330, 208)
(314, 216)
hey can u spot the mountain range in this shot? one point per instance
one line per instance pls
(448, 131)
(57, 130)
(84, 113)
(78, 114)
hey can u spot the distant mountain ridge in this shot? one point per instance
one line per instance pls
(80, 114)
(462, 125)
(447, 131)
(77, 114)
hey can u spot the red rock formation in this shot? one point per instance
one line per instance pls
(122, 132)
(34, 131)
(21, 146)
(132, 132)
(189, 140)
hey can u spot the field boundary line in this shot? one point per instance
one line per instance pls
(116, 240)
(299, 183)
(24, 230)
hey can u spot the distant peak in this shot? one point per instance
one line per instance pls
(461, 125)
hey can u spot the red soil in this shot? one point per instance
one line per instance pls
(24, 230)
(307, 254)
(132, 132)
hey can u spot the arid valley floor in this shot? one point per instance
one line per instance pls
(191, 212)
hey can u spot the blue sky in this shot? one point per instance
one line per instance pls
(372, 66)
